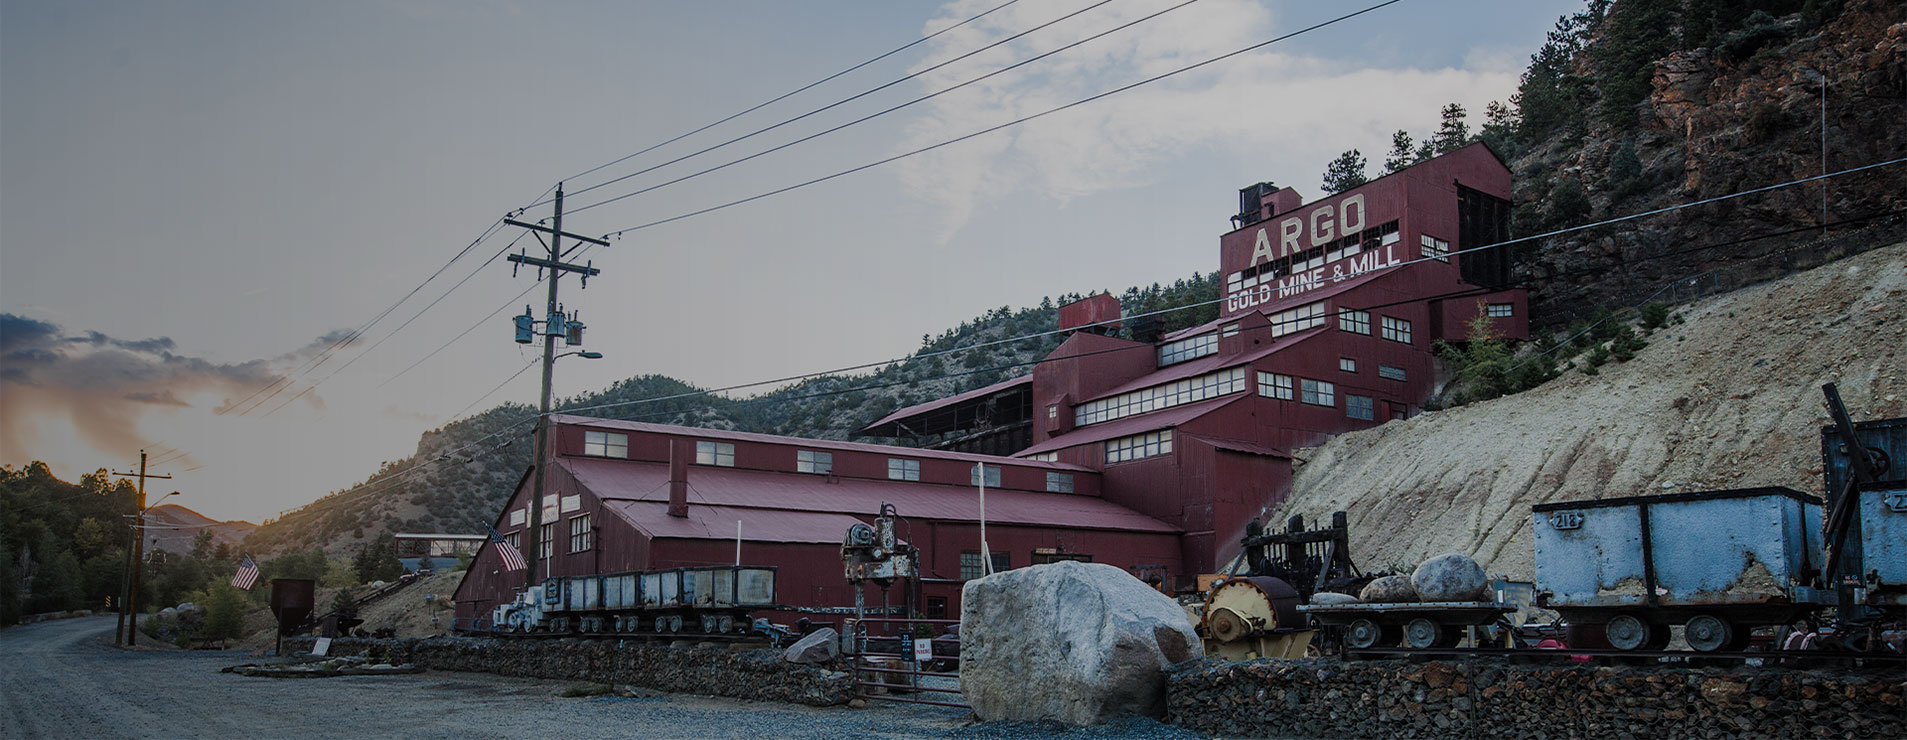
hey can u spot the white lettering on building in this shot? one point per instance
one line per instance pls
(1327, 222)
(1297, 283)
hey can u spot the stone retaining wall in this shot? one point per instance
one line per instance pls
(1326, 698)
(702, 669)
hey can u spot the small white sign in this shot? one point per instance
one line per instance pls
(923, 650)
(322, 647)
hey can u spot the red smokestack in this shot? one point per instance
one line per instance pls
(678, 479)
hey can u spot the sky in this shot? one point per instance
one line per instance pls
(201, 202)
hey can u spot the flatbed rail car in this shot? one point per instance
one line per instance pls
(1434, 624)
(705, 600)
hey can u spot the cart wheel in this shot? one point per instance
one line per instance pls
(1630, 632)
(1423, 633)
(1708, 633)
(1364, 633)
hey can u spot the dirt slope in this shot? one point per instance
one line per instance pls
(1730, 399)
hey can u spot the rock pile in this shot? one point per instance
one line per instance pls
(704, 669)
(1326, 698)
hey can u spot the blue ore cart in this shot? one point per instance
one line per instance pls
(1718, 562)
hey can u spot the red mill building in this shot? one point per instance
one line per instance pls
(1150, 456)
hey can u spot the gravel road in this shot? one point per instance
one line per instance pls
(66, 679)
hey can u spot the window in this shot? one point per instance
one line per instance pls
(1354, 321)
(811, 461)
(900, 468)
(970, 564)
(1319, 393)
(715, 453)
(1297, 319)
(1052, 412)
(1347, 364)
(1434, 248)
(1150, 444)
(993, 475)
(1360, 407)
(580, 535)
(1271, 385)
(936, 607)
(1390, 373)
(1396, 330)
(1211, 385)
(515, 539)
(605, 444)
(1045, 457)
(1187, 349)
(1046, 555)
(544, 539)
(1228, 330)
(1499, 310)
(1059, 482)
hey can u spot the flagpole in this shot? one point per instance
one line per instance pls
(986, 556)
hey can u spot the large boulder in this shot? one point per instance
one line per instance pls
(1328, 598)
(1076, 642)
(820, 646)
(1449, 577)
(1389, 590)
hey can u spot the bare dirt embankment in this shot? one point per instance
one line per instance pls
(408, 612)
(1729, 399)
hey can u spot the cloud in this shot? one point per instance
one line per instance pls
(1288, 112)
(102, 386)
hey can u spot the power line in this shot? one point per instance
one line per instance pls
(866, 118)
(284, 382)
(1008, 124)
(771, 101)
(393, 478)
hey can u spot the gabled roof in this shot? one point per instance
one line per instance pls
(1130, 425)
(815, 444)
(955, 399)
(790, 506)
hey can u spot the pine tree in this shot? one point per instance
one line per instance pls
(1345, 172)
(1453, 133)
(1401, 155)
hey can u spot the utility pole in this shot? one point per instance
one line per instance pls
(129, 606)
(557, 324)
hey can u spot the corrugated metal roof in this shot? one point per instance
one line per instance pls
(773, 494)
(816, 444)
(706, 522)
(1237, 446)
(1146, 422)
(922, 408)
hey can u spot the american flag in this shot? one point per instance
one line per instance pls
(512, 560)
(247, 575)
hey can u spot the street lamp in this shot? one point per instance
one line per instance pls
(583, 354)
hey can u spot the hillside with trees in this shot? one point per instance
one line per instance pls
(460, 474)
(1627, 107)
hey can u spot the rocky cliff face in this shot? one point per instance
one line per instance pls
(1730, 398)
(1722, 120)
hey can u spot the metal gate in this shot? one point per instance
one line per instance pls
(890, 663)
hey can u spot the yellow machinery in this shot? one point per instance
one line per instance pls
(1254, 617)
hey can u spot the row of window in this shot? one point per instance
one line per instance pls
(722, 454)
(1297, 319)
(1138, 446)
(1320, 393)
(970, 561)
(1190, 348)
(1211, 385)
(582, 536)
